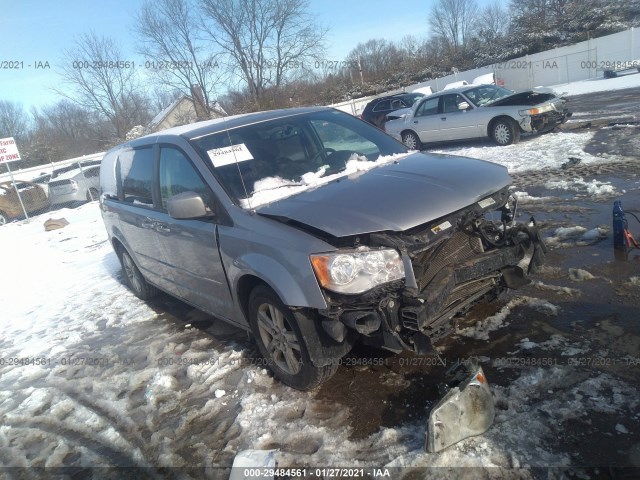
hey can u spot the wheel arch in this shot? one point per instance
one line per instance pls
(502, 116)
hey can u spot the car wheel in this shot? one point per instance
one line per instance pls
(3, 218)
(92, 194)
(505, 132)
(281, 343)
(411, 141)
(134, 278)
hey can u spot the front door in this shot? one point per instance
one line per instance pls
(426, 121)
(194, 268)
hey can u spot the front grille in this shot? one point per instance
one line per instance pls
(451, 276)
(455, 250)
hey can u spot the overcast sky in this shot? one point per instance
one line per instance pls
(39, 30)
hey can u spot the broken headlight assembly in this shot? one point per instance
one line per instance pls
(356, 271)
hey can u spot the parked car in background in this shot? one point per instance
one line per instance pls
(313, 229)
(477, 111)
(33, 198)
(74, 186)
(376, 110)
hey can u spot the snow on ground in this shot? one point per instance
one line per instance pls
(90, 375)
(600, 84)
(532, 153)
(114, 383)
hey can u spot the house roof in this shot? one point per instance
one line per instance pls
(215, 106)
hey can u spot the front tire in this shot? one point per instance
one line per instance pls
(134, 278)
(411, 140)
(281, 343)
(505, 131)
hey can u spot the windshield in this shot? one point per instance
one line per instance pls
(485, 94)
(293, 153)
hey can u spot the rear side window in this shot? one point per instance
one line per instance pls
(382, 106)
(136, 170)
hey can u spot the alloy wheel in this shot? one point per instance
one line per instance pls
(279, 339)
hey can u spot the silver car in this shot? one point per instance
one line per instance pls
(474, 111)
(74, 186)
(312, 229)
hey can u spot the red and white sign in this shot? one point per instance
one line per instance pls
(8, 150)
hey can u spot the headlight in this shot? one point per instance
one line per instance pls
(536, 111)
(357, 271)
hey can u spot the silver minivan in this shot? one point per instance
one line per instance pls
(313, 230)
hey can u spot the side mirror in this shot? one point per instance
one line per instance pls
(187, 205)
(463, 106)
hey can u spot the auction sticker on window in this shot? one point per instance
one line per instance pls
(229, 155)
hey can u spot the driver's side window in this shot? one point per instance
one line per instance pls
(427, 107)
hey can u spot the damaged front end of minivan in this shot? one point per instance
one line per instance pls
(427, 275)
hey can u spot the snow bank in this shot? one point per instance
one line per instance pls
(534, 153)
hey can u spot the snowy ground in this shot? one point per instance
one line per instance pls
(92, 376)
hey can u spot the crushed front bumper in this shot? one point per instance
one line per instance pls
(449, 267)
(549, 120)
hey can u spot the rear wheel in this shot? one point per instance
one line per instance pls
(281, 343)
(411, 141)
(504, 131)
(134, 278)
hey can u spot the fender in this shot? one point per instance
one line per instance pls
(296, 287)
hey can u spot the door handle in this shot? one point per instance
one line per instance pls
(443, 118)
(148, 223)
(415, 121)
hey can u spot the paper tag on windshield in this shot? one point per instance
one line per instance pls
(229, 155)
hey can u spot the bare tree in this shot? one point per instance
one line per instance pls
(168, 31)
(454, 21)
(13, 120)
(494, 21)
(264, 40)
(102, 81)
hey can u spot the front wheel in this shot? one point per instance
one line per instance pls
(411, 141)
(505, 132)
(281, 343)
(134, 278)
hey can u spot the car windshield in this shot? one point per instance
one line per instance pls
(265, 161)
(412, 98)
(486, 94)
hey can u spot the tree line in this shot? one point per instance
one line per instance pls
(262, 54)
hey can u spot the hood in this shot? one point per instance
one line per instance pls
(394, 197)
(529, 98)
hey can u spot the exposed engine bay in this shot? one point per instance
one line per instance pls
(450, 264)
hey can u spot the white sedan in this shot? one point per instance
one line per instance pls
(476, 111)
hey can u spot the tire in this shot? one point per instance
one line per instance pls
(4, 218)
(134, 278)
(92, 194)
(281, 343)
(411, 140)
(505, 131)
